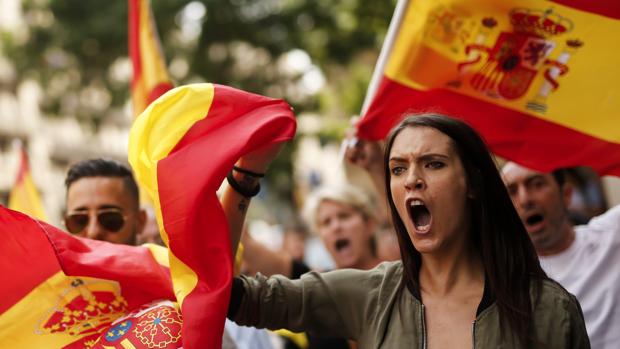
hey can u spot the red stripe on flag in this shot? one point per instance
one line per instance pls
(134, 40)
(142, 279)
(157, 91)
(27, 257)
(33, 252)
(24, 167)
(237, 123)
(609, 8)
(563, 147)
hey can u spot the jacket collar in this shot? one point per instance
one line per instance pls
(488, 298)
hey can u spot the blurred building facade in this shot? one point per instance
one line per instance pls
(53, 143)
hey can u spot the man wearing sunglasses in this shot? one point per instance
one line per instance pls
(103, 202)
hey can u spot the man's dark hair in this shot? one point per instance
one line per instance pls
(508, 255)
(103, 168)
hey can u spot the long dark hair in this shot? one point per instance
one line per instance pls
(509, 259)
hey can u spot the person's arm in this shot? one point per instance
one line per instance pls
(235, 204)
(328, 304)
(369, 156)
(258, 258)
(607, 223)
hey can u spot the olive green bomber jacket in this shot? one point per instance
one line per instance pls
(372, 308)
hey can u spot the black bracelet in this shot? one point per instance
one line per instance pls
(248, 193)
(248, 172)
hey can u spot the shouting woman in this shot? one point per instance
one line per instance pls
(468, 274)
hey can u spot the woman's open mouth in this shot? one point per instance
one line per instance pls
(420, 216)
(342, 244)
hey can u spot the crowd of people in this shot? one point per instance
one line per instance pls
(455, 251)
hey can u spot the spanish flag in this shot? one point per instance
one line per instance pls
(150, 76)
(61, 291)
(181, 149)
(539, 79)
(24, 196)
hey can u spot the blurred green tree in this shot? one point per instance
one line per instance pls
(317, 54)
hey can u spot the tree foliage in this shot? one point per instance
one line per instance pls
(73, 44)
(78, 49)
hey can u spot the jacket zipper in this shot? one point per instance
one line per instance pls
(423, 328)
(473, 331)
(473, 335)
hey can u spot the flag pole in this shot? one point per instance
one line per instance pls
(377, 74)
(397, 19)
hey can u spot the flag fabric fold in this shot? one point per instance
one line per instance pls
(536, 78)
(150, 76)
(142, 272)
(69, 292)
(181, 149)
(24, 196)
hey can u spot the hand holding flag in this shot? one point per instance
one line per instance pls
(181, 148)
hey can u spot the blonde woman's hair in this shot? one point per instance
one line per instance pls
(343, 194)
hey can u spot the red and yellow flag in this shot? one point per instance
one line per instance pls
(61, 291)
(150, 76)
(539, 79)
(181, 149)
(24, 196)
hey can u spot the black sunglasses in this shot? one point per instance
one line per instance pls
(111, 220)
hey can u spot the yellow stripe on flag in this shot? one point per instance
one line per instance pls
(152, 64)
(154, 69)
(152, 137)
(150, 76)
(160, 254)
(26, 323)
(556, 65)
(24, 196)
(300, 339)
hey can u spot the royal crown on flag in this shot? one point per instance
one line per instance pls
(543, 24)
(556, 66)
(85, 309)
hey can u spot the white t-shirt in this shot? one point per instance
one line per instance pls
(247, 337)
(590, 269)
